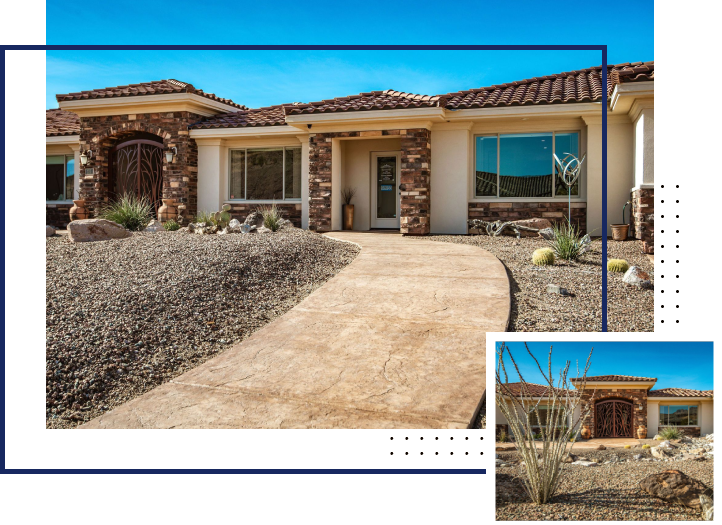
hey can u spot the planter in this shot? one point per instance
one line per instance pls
(620, 232)
(586, 433)
(348, 216)
(168, 211)
(78, 211)
(642, 432)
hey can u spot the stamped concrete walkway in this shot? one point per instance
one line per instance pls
(395, 340)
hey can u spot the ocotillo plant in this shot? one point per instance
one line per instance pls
(557, 430)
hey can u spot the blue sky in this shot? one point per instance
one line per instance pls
(680, 365)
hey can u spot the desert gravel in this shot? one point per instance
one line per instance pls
(533, 309)
(124, 316)
(630, 308)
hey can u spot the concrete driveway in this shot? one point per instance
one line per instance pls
(395, 340)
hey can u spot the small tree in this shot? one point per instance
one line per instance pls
(521, 411)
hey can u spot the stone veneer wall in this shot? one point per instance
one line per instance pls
(637, 396)
(513, 211)
(642, 219)
(57, 215)
(413, 184)
(289, 211)
(100, 134)
(694, 432)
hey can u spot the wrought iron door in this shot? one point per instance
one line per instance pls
(137, 169)
(613, 419)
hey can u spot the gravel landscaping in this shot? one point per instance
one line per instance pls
(606, 492)
(631, 308)
(124, 316)
(532, 308)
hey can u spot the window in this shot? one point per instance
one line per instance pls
(679, 415)
(522, 165)
(545, 413)
(265, 174)
(59, 177)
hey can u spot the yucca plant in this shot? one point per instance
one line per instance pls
(670, 433)
(132, 212)
(272, 218)
(567, 243)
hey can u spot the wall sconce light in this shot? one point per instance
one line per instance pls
(170, 153)
(85, 156)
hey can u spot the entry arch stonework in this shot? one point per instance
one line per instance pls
(636, 396)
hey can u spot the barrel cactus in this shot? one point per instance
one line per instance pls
(543, 257)
(617, 265)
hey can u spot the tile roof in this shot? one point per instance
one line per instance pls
(584, 85)
(627, 379)
(534, 389)
(679, 392)
(270, 116)
(59, 123)
(373, 100)
(156, 87)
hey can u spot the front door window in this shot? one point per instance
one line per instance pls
(386, 197)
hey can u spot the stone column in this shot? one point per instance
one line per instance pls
(319, 182)
(415, 183)
(304, 179)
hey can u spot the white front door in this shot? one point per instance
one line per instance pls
(385, 197)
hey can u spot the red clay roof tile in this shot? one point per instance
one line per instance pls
(156, 87)
(534, 389)
(619, 378)
(59, 123)
(270, 116)
(679, 392)
(374, 100)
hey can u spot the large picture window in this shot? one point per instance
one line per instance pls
(679, 415)
(265, 174)
(59, 177)
(545, 414)
(522, 165)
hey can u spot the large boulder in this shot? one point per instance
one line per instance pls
(537, 224)
(677, 487)
(255, 218)
(660, 452)
(586, 463)
(90, 230)
(154, 226)
(49, 230)
(638, 277)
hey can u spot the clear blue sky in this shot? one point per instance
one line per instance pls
(679, 365)
(261, 78)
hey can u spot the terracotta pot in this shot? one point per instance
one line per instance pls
(642, 432)
(620, 232)
(586, 433)
(78, 211)
(348, 216)
(168, 211)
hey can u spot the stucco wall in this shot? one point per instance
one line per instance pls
(707, 418)
(450, 171)
(356, 173)
(620, 171)
(706, 415)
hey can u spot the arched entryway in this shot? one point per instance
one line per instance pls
(136, 167)
(613, 418)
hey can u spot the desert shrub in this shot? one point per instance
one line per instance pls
(503, 436)
(543, 257)
(131, 212)
(627, 446)
(203, 216)
(670, 433)
(271, 217)
(645, 446)
(171, 226)
(567, 243)
(617, 265)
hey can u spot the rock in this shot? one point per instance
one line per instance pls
(536, 223)
(666, 444)
(500, 462)
(674, 486)
(685, 439)
(637, 456)
(556, 289)
(657, 437)
(697, 451)
(638, 277)
(570, 458)
(263, 229)
(285, 223)
(154, 226)
(600, 447)
(234, 226)
(91, 230)
(709, 437)
(255, 218)
(659, 453)
(49, 231)
(707, 507)
(586, 463)
(547, 233)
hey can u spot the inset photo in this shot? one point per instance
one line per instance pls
(620, 431)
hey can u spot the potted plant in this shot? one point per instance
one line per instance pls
(620, 231)
(347, 194)
(78, 211)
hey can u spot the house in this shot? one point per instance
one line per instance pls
(620, 404)
(492, 153)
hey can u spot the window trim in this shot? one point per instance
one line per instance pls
(681, 426)
(245, 175)
(65, 175)
(554, 198)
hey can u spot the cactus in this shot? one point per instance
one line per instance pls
(645, 446)
(543, 256)
(222, 218)
(617, 265)
(627, 446)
